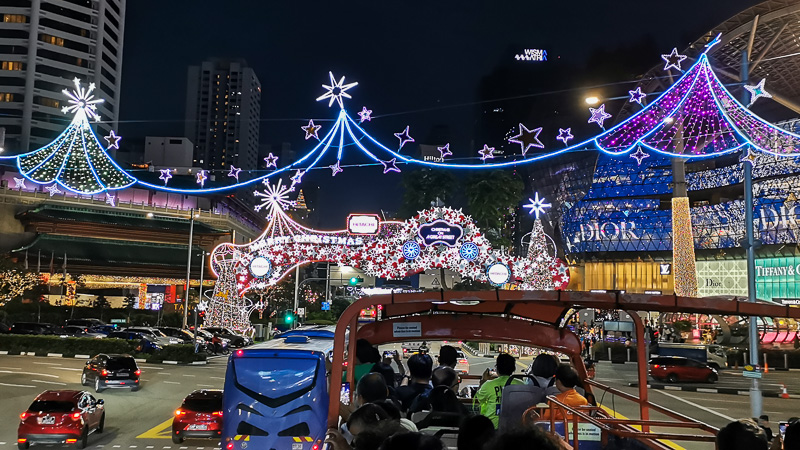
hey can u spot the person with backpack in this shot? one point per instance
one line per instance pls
(490, 393)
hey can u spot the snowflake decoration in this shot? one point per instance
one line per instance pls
(82, 100)
(365, 115)
(469, 251)
(336, 91)
(19, 183)
(274, 197)
(537, 205)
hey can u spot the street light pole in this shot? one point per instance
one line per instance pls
(188, 270)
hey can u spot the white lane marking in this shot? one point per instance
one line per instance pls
(190, 375)
(183, 448)
(149, 446)
(11, 368)
(49, 382)
(30, 373)
(117, 446)
(151, 367)
(171, 382)
(16, 385)
(163, 373)
(70, 368)
(132, 446)
(709, 410)
(217, 378)
(205, 385)
(2, 443)
(47, 364)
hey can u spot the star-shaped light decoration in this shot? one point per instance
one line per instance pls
(637, 95)
(365, 115)
(673, 59)
(335, 168)
(297, 177)
(271, 160)
(113, 140)
(565, 135)
(311, 131)
(336, 91)
(19, 183)
(486, 152)
(757, 91)
(445, 151)
(274, 197)
(234, 172)
(749, 156)
(390, 166)
(639, 155)
(53, 190)
(537, 205)
(111, 199)
(527, 138)
(166, 174)
(201, 178)
(404, 137)
(82, 101)
(599, 115)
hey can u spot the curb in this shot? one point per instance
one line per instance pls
(726, 391)
(138, 360)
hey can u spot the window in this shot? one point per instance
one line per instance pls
(11, 65)
(52, 39)
(6, 97)
(15, 18)
(44, 101)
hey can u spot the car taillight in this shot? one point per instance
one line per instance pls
(463, 361)
(71, 441)
(104, 372)
(76, 415)
(217, 413)
(180, 412)
(24, 416)
(656, 366)
(230, 445)
(315, 447)
(138, 372)
(22, 440)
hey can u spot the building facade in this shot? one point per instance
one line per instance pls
(44, 45)
(223, 110)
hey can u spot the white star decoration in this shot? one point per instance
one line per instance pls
(445, 151)
(19, 183)
(757, 91)
(311, 131)
(564, 135)
(111, 199)
(81, 100)
(639, 155)
(637, 95)
(599, 115)
(365, 115)
(166, 174)
(234, 172)
(113, 140)
(336, 91)
(404, 137)
(201, 178)
(336, 168)
(272, 160)
(390, 166)
(537, 205)
(53, 190)
(527, 138)
(673, 59)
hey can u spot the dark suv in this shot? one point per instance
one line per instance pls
(237, 340)
(111, 371)
(32, 328)
(184, 335)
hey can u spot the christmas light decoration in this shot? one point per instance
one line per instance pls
(110, 199)
(166, 174)
(599, 115)
(365, 115)
(201, 178)
(390, 166)
(748, 156)
(537, 205)
(757, 91)
(272, 160)
(565, 135)
(19, 183)
(527, 138)
(113, 140)
(53, 190)
(337, 168)
(336, 91)
(683, 259)
(639, 155)
(637, 95)
(486, 152)
(311, 131)
(445, 151)
(673, 60)
(274, 196)
(234, 172)
(297, 178)
(404, 137)
(540, 277)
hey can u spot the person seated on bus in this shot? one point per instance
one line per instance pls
(363, 418)
(366, 357)
(392, 408)
(742, 434)
(566, 381)
(445, 376)
(417, 441)
(370, 389)
(490, 393)
(543, 371)
(518, 438)
(448, 356)
(474, 433)
(791, 438)
(419, 366)
(373, 438)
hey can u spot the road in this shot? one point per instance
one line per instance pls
(141, 420)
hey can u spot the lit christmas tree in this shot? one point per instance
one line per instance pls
(300, 203)
(75, 159)
(540, 277)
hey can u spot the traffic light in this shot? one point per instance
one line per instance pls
(354, 281)
(289, 317)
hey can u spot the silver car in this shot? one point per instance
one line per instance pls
(155, 335)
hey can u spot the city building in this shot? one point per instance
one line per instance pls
(44, 45)
(175, 153)
(223, 110)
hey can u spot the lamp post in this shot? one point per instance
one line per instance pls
(188, 270)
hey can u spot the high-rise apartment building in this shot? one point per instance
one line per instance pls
(44, 45)
(223, 110)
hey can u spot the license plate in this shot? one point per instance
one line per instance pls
(297, 446)
(47, 420)
(196, 427)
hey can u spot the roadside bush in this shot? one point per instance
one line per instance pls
(180, 353)
(42, 345)
(319, 322)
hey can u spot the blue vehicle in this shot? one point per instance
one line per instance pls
(276, 393)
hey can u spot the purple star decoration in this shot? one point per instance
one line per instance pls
(527, 138)
(639, 155)
(599, 115)
(445, 151)
(486, 152)
(404, 137)
(311, 130)
(390, 166)
(637, 95)
(365, 115)
(271, 160)
(335, 168)
(565, 135)
(166, 174)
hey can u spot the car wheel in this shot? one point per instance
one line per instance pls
(135, 388)
(102, 423)
(672, 378)
(176, 439)
(23, 445)
(84, 382)
(712, 378)
(97, 387)
(714, 366)
(84, 440)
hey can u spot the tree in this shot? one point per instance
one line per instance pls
(422, 187)
(101, 303)
(492, 198)
(16, 281)
(541, 278)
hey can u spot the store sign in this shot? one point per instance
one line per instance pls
(498, 274)
(440, 232)
(532, 54)
(778, 278)
(599, 231)
(260, 267)
(665, 269)
(363, 224)
(787, 301)
(308, 239)
(725, 277)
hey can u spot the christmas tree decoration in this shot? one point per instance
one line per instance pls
(53, 190)
(637, 95)
(673, 60)
(234, 172)
(639, 156)
(486, 152)
(113, 140)
(166, 174)
(390, 166)
(300, 203)
(565, 135)
(445, 151)
(365, 115)
(757, 92)
(683, 256)
(540, 277)
(201, 178)
(527, 138)
(537, 205)
(336, 91)
(404, 137)
(311, 131)
(272, 160)
(336, 168)
(599, 115)
(19, 183)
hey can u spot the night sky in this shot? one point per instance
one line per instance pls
(418, 63)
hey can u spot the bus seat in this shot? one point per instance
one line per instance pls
(516, 399)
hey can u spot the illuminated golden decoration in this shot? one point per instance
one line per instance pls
(108, 281)
(71, 291)
(142, 295)
(683, 261)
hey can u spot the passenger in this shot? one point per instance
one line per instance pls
(444, 399)
(365, 359)
(419, 366)
(448, 356)
(442, 376)
(417, 441)
(474, 432)
(743, 434)
(490, 393)
(393, 411)
(370, 389)
(763, 422)
(791, 440)
(373, 438)
(543, 370)
(363, 418)
(445, 376)
(566, 380)
(533, 438)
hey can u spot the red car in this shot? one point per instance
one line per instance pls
(677, 368)
(200, 416)
(61, 417)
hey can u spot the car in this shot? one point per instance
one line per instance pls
(111, 371)
(145, 345)
(104, 329)
(411, 347)
(76, 331)
(462, 363)
(61, 417)
(678, 368)
(5, 328)
(185, 336)
(32, 328)
(200, 416)
(155, 335)
(85, 323)
(237, 340)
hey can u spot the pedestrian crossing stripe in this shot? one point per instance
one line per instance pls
(303, 438)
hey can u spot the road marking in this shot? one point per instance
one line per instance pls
(49, 382)
(30, 373)
(217, 378)
(709, 410)
(47, 364)
(16, 385)
(132, 446)
(617, 415)
(117, 446)
(151, 367)
(11, 368)
(70, 368)
(171, 382)
(205, 385)
(190, 375)
(160, 431)
(149, 446)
